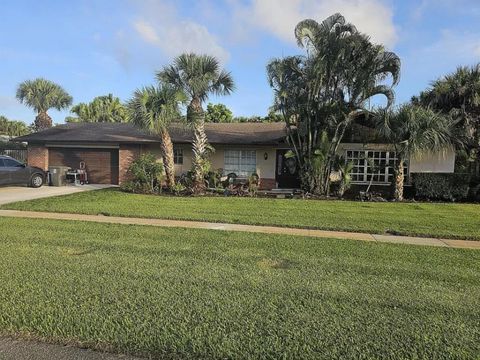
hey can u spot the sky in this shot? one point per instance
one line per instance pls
(94, 48)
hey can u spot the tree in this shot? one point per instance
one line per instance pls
(412, 130)
(272, 116)
(198, 76)
(328, 89)
(458, 95)
(101, 109)
(13, 128)
(218, 113)
(154, 109)
(42, 95)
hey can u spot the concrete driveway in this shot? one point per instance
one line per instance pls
(11, 194)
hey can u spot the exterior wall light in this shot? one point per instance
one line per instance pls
(265, 156)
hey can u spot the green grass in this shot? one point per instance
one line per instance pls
(460, 221)
(183, 293)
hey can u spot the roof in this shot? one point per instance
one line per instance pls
(217, 133)
(91, 133)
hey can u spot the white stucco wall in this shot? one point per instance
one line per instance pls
(440, 162)
(265, 167)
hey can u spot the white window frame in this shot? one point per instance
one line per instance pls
(177, 155)
(360, 172)
(242, 162)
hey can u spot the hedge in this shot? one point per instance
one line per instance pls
(450, 187)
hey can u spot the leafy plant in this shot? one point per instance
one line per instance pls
(345, 170)
(253, 184)
(145, 175)
(178, 189)
(450, 187)
(213, 178)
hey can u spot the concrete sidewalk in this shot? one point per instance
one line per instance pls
(465, 244)
(15, 349)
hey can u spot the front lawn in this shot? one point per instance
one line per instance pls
(418, 219)
(179, 293)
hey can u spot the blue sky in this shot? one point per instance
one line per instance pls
(98, 47)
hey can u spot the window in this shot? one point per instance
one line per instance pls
(11, 163)
(240, 162)
(178, 156)
(368, 164)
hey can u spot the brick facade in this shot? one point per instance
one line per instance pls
(267, 184)
(37, 155)
(126, 154)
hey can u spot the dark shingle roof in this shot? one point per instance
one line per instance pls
(232, 133)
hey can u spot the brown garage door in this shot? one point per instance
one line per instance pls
(101, 164)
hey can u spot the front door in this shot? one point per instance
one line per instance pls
(286, 174)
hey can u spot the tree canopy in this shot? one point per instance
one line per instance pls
(42, 95)
(13, 128)
(412, 130)
(107, 108)
(458, 95)
(218, 113)
(327, 89)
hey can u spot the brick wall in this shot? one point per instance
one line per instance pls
(267, 184)
(38, 156)
(126, 154)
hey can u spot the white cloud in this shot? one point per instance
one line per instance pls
(146, 31)
(159, 24)
(280, 17)
(464, 47)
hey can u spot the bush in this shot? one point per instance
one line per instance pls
(145, 175)
(450, 187)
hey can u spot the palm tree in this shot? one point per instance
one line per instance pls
(106, 108)
(458, 95)
(154, 109)
(412, 130)
(328, 89)
(198, 76)
(42, 95)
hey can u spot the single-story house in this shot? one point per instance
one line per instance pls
(242, 148)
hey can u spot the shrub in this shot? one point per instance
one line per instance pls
(451, 187)
(213, 178)
(145, 174)
(178, 189)
(253, 184)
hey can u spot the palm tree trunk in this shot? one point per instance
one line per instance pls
(167, 155)
(196, 116)
(43, 121)
(399, 178)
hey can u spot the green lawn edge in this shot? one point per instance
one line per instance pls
(438, 220)
(195, 293)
